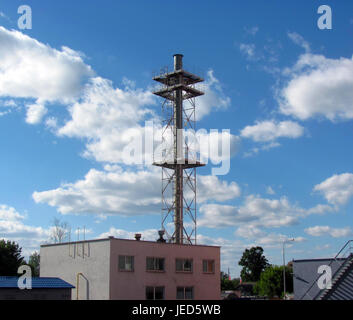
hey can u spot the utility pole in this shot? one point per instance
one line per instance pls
(284, 267)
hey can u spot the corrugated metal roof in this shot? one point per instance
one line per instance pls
(43, 282)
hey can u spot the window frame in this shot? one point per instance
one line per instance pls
(183, 265)
(154, 292)
(132, 263)
(207, 261)
(155, 264)
(184, 292)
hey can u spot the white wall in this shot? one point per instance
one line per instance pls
(90, 258)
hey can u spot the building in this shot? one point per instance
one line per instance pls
(323, 279)
(42, 289)
(133, 269)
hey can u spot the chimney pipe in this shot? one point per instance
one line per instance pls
(178, 61)
(137, 236)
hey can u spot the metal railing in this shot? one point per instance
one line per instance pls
(346, 248)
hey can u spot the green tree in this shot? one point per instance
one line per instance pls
(227, 284)
(10, 258)
(34, 262)
(271, 282)
(253, 262)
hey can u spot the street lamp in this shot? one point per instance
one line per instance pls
(284, 267)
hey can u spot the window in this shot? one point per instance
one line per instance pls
(208, 266)
(154, 293)
(126, 263)
(155, 264)
(183, 265)
(185, 293)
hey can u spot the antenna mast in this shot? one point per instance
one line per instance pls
(179, 159)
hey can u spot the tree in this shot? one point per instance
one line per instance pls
(59, 231)
(227, 284)
(10, 258)
(271, 282)
(253, 262)
(33, 262)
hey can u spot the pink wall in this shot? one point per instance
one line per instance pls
(131, 285)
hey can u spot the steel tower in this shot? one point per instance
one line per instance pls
(178, 159)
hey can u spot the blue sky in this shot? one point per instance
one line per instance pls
(79, 82)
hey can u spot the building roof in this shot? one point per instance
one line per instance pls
(111, 238)
(39, 283)
(318, 259)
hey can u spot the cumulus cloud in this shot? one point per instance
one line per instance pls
(102, 192)
(112, 120)
(214, 98)
(318, 87)
(9, 213)
(265, 134)
(13, 228)
(337, 189)
(108, 118)
(115, 191)
(31, 69)
(258, 211)
(212, 188)
(35, 113)
(265, 131)
(319, 231)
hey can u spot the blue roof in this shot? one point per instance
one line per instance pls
(42, 282)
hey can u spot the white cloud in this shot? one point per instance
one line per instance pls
(13, 228)
(115, 191)
(337, 189)
(270, 191)
(319, 231)
(255, 210)
(248, 50)
(101, 192)
(212, 188)
(9, 213)
(320, 209)
(214, 98)
(108, 118)
(300, 41)
(31, 69)
(265, 131)
(35, 113)
(112, 120)
(256, 213)
(318, 87)
(250, 232)
(263, 147)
